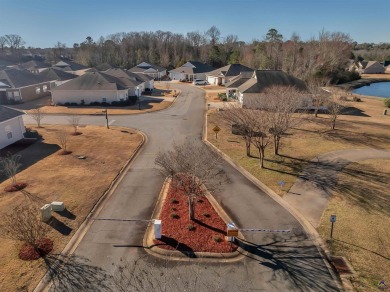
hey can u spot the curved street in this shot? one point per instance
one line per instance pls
(275, 261)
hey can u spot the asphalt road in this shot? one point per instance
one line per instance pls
(276, 261)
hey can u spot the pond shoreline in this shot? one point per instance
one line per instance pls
(362, 82)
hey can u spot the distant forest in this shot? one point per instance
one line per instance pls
(326, 55)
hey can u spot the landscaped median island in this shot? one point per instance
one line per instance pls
(78, 180)
(206, 233)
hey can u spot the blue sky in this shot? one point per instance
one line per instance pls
(42, 23)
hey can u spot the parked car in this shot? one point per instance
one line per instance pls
(200, 82)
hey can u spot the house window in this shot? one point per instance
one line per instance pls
(44, 88)
(16, 93)
(37, 90)
(10, 94)
(9, 135)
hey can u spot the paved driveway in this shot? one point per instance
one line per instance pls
(276, 262)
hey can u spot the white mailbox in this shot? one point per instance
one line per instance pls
(58, 206)
(157, 229)
(46, 213)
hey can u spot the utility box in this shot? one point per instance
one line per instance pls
(46, 213)
(157, 229)
(57, 206)
(385, 112)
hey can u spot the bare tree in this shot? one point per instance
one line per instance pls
(74, 121)
(281, 103)
(23, 224)
(319, 95)
(260, 125)
(238, 118)
(38, 115)
(334, 107)
(10, 166)
(191, 166)
(62, 137)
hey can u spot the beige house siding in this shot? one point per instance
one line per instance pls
(11, 131)
(76, 96)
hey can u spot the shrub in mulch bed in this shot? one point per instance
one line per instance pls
(15, 187)
(76, 133)
(29, 253)
(63, 152)
(207, 234)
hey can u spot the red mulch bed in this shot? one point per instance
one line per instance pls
(28, 253)
(76, 133)
(176, 235)
(62, 152)
(15, 187)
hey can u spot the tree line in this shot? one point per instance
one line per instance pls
(325, 55)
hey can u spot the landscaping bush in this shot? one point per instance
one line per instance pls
(74, 104)
(191, 227)
(217, 238)
(387, 102)
(175, 215)
(66, 103)
(174, 201)
(222, 96)
(105, 103)
(95, 103)
(357, 99)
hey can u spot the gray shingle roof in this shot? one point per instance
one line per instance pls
(198, 68)
(94, 81)
(18, 78)
(267, 78)
(7, 113)
(231, 70)
(56, 74)
(70, 64)
(33, 64)
(131, 79)
(145, 66)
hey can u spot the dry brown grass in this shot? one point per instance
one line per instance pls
(362, 234)
(367, 128)
(78, 183)
(385, 75)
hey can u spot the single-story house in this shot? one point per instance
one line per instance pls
(93, 87)
(151, 70)
(11, 126)
(190, 71)
(137, 83)
(71, 67)
(21, 85)
(248, 88)
(34, 66)
(368, 67)
(226, 74)
(57, 75)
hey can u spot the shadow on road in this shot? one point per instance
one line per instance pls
(74, 273)
(301, 265)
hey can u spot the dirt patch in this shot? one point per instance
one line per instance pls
(79, 183)
(204, 234)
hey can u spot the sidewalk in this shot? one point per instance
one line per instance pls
(312, 190)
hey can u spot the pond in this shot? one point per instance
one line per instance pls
(381, 89)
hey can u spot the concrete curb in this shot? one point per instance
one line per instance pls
(154, 250)
(309, 229)
(73, 243)
(116, 115)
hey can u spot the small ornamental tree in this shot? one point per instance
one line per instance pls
(10, 166)
(37, 115)
(387, 102)
(74, 121)
(63, 137)
(23, 224)
(191, 166)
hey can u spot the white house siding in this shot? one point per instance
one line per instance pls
(149, 84)
(11, 131)
(76, 96)
(201, 76)
(177, 76)
(212, 80)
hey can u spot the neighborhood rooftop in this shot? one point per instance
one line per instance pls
(18, 78)
(7, 113)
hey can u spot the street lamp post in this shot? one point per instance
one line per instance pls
(106, 113)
